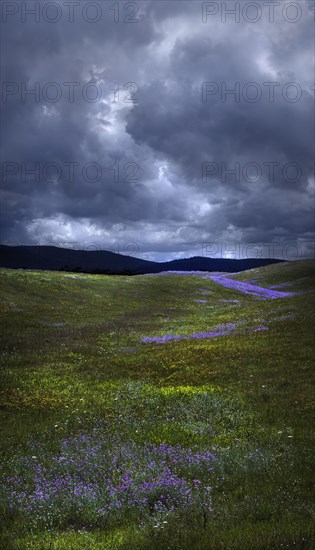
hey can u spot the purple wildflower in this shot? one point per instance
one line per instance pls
(221, 330)
(281, 285)
(250, 289)
(285, 317)
(258, 329)
(161, 339)
(99, 480)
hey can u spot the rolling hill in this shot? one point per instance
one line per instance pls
(65, 259)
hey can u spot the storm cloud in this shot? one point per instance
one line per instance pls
(162, 128)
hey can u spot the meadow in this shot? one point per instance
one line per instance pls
(163, 411)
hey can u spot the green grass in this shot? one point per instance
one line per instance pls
(73, 363)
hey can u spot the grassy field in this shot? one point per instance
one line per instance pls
(111, 441)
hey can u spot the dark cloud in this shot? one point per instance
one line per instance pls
(118, 170)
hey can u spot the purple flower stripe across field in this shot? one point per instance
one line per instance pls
(221, 330)
(281, 285)
(258, 329)
(287, 317)
(248, 288)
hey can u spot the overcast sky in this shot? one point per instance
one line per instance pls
(162, 129)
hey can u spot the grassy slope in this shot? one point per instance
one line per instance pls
(72, 356)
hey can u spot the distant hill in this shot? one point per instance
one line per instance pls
(104, 262)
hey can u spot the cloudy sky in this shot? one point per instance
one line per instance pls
(162, 129)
